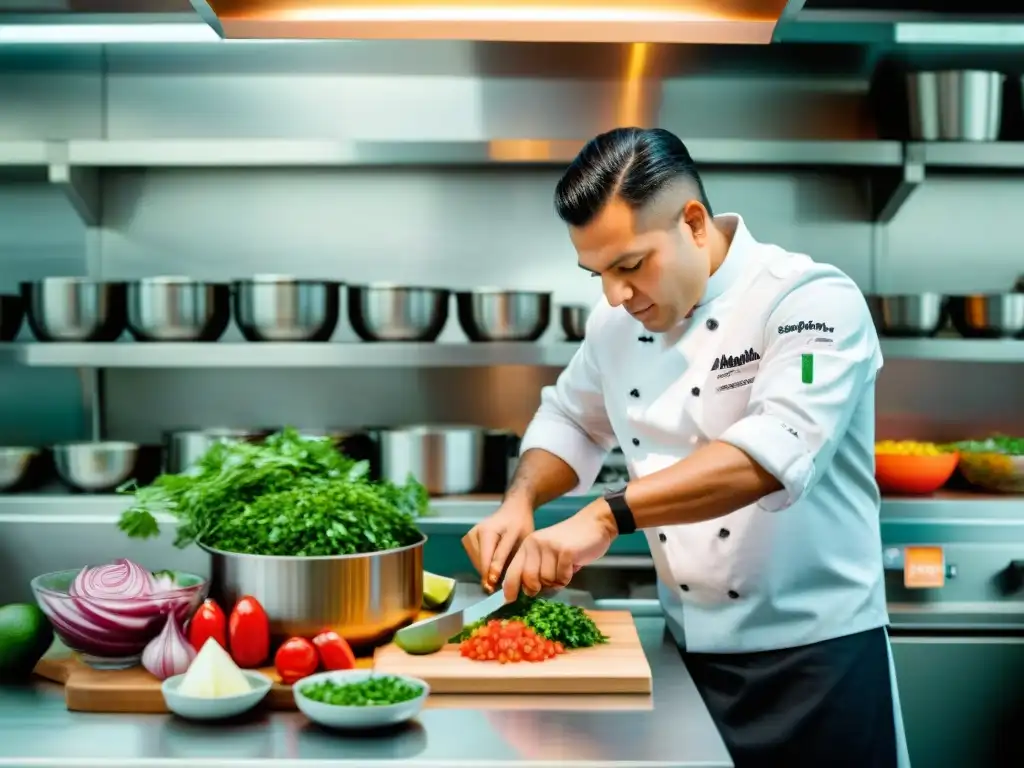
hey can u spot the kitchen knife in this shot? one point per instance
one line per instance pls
(431, 635)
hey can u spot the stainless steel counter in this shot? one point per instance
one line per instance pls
(36, 731)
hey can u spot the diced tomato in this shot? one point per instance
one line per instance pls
(508, 642)
(335, 652)
(208, 622)
(249, 630)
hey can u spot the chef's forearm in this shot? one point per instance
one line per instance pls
(541, 477)
(711, 482)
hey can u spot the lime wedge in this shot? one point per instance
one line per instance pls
(438, 591)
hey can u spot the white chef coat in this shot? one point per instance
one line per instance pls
(803, 564)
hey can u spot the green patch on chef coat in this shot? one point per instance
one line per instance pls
(807, 369)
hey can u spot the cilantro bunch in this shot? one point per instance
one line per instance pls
(288, 495)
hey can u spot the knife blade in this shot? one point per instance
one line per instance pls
(431, 635)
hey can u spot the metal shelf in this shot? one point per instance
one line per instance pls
(129, 354)
(269, 153)
(974, 155)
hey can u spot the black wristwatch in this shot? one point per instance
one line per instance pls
(623, 515)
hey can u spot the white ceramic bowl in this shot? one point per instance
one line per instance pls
(333, 716)
(195, 708)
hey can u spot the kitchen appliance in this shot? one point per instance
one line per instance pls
(988, 316)
(177, 309)
(75, 309)
(431, 635)
(16, 465)
(282, 308)
(385, 312)
(913, 315)
(184, 447)
(96, 467)
(447, 460)
(574, 322)
(961, 105)
(363, 597)
(12, 312)
(492, 314)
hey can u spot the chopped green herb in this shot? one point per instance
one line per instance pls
(376, 691)
(558, 622)
(289, 496)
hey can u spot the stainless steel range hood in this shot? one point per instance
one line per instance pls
(620, 21)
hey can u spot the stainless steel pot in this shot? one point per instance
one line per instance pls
(75, 309)
(381, 312)
(912, 315)
(447, 460)
(363, 598)
(15, 465)
(574, 322)
(487, 314)
(184, 447)
(178, 309)
(280, 308)
(96, 467)
(961, 105)
(12, 312)
(988, 317)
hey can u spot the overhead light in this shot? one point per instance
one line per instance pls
(101, 34)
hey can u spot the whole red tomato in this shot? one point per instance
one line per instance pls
(296, 659)
(208, 622)
(335, 652)
(249, 633)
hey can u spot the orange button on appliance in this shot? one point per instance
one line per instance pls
(924, 567)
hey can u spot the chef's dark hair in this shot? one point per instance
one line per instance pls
(633, 163)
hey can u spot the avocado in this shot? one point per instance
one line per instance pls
(25, 635)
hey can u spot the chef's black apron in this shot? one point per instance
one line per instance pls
(827, 704)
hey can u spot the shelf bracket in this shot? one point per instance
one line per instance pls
(80, 185)
(891, 188)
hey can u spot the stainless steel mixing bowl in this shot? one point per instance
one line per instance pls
(97, 466)
(988, 316)
(363, 598)
(75, 309)
(184, 447)
(178, 309)
(15, 465)
(574, 321)
(491, 314)
(281, 308)
(447, 460)
(912, 315)
(383, 312)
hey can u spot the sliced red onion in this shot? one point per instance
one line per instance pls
(169, 653)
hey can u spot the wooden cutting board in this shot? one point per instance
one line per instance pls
(616, 667)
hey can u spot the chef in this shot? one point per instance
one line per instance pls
(738, 379)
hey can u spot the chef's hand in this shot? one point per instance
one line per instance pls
(491, 542)
(550, 557)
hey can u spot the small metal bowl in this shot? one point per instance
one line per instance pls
(178, 309)
(281, 308)
(491, 314)
(75, 309)
(574, 322)
(917, 315)
(16, 463)
(996, 316)
(96, 467)
(382, 312)
(12, 312)
(184, 447)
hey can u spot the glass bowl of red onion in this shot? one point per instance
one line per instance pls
(108, 613)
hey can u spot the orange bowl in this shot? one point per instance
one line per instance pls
(902, 474)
